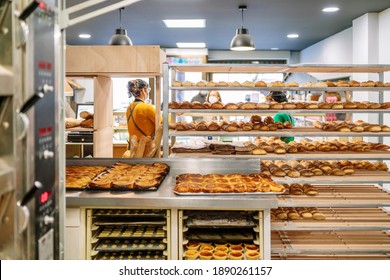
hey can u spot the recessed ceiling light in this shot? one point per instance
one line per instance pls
(292, 35)
(185, 23)
(274, 49)
(330, 9)
(85, 36)
(191, 45)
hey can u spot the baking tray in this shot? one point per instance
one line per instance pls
(115, 245)
(226, 194)
(119, 221)
(130, 232)
(132, 255)
(135, 189)
(220, 221)
(220, 234)
(129, 213)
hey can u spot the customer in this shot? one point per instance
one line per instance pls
(213, 97)
(278, 96)
(140, 116)
(200, 97)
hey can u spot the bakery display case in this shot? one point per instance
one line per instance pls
(88, 201)
(354, 221)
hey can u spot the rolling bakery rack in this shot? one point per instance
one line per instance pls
(357, 222)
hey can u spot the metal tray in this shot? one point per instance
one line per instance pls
(219, 220)
(131, 232)
(132, 255)
(115, 245)
(226, 194)
(220, 235)
(129, 213)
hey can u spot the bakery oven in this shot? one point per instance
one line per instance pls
(29, 144)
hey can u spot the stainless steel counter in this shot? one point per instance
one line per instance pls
(164, 196)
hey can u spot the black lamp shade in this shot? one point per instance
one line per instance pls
(243, 41)
(120, 38)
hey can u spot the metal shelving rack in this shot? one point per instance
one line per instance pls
(364, 195)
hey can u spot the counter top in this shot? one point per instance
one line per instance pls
(164, 196)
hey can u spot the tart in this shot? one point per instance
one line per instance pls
(236, 248)
(219, 255)
(191, 254)
(207, 248)
(221, 249)
(205, 255)
(236, 255)
(192, 245)
(252, 255)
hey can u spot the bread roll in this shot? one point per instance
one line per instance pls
(210, 84)
(200, 84)
(289, 106)
(86, 115)
(276, 106)
(222, 84)
(185, 105)
(260, 84)
(292, 84)
(186, 84)
(236, 84)
(217, 105)
(265, 106)
(88, 123)
(197, 105)
(248, 106)
(230, 106)
(248, 84)
(176, 84)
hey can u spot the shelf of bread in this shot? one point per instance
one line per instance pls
(254, 107)
(335, 219)
(334, 195)
(294, 112)
(346, 242)
(296, 131)
(281, 68)
(286, 88)
(371, 155)
(358, 177)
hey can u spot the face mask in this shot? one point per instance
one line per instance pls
(213, 99)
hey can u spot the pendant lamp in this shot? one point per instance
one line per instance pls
(243, 41)
(120, 37)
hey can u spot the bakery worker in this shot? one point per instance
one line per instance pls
(140, 116)
(200, 97)
(279, 96)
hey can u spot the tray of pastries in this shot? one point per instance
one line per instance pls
(225, 184)
(130, 177)
(310, 168)
(219, 220)
(140, 255)
(300, 189)
(227, 234)
(78, 177)
(195, 105)
(129, 212)
(107, 245)
(297, 213)
(262, 84)
(255, 122)
(131, 232)
(220, 250)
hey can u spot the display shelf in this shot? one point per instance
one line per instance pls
(371, 155)
(266, 111)
(81, 129)
(360, 176)
(314, 89)
(293, 132)
(340, 219)
(332, 195)
(345, 242)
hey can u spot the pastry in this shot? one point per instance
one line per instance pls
(176, 84)
(324, 105)
(276, 106)
(265, 106)
(350, 105)
(260, 84)
(289, 106)
(236, 84)
(217, 105)
(186, 84)
(248, 84)
(210, 84)
(247, 106)
(200, 84)
(291, 84)
(337, 106)
(311, 106)
(185, 105)
(197, 105)
(268, 120)
(341, 83)
(222, 84)
(277, 84)
(201, 126)
(230, 106)
(330, 84)
(174, 105)
(354, 83)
